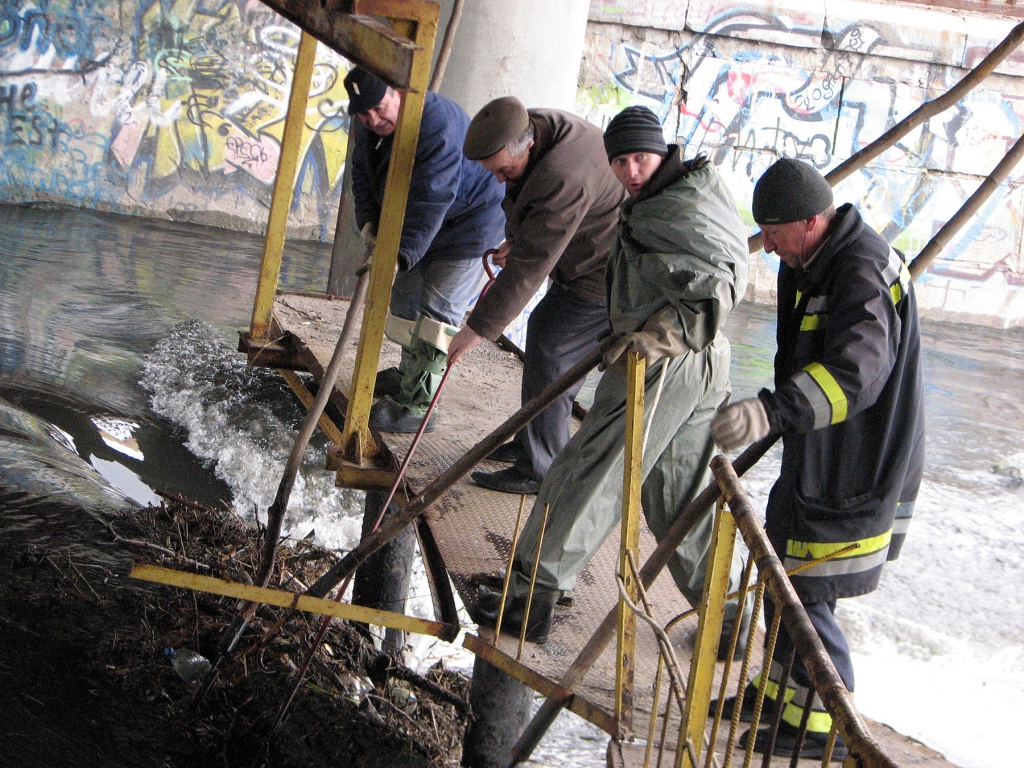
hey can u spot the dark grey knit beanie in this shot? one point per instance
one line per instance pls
(790, 190)
(634, 129)
(365, 90)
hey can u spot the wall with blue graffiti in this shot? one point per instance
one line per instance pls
(748, 82)
(163, 108)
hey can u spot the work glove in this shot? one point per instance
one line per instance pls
(741, 423)
(660, 337)
(369, 235)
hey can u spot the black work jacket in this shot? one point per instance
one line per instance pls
(849, 403)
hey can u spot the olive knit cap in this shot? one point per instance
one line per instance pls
(365, 91)
(634, 129)
(790, 190)
(495, 125)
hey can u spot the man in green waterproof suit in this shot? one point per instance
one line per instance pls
(676, 270)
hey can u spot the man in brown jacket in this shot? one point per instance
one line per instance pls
(561, 209)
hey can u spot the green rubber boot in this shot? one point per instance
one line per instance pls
(404, 412)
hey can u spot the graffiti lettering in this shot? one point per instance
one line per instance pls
(80, 34)
(246, 152)
(27, 123)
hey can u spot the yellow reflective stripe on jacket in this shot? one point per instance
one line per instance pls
(813, 550)
(870, 553)
(897, 276)
(813, 322)
(830, 387)
(799, 295)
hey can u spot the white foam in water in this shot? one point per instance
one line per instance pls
(244, 421)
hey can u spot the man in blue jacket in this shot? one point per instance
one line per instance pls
(849, 404)
(453, 216)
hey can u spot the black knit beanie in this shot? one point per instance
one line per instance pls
(365, 91)
(789, 191)
(634, 129)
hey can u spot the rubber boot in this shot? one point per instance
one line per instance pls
(542, 608)
(420, 380)
(389, 381)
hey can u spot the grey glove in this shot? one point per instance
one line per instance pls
(741, 423)
(660, 337)
(369, 235)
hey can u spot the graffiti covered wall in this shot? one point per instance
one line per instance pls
(163, 108)
(749, 82)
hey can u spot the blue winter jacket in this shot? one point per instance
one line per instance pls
(454, 209)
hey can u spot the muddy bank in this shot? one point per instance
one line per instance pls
(84, 680)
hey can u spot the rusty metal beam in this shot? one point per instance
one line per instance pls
(362, 39)
(359, 444)
(306, 398)
(284, 184)
(294, 600)
(709, 631)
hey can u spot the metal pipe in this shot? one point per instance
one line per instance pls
(654, 711)
(737, 707)
(780, 705)
(508, 569)
(446, 45)
(733, 640)
(755, 720)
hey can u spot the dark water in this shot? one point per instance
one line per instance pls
(84, 297)
(118, 377)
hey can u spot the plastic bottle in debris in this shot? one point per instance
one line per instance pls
(188, 664)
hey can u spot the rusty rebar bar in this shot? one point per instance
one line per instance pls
(508, 569)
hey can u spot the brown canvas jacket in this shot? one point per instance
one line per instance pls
(560, 219)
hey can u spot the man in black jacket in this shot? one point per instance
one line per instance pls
(849, 405)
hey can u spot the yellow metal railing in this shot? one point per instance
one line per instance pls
(401, 55)
(697, 740)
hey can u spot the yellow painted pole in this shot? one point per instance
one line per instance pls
(709, 630)
(294, 600)
(636, 370)
(306, 398)
(284, 183)
(357, 443)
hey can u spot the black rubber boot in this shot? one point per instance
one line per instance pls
(542, 610)
(747, 711)
(813, 747)
(390, 416)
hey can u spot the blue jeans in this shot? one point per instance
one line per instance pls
(441, 289)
